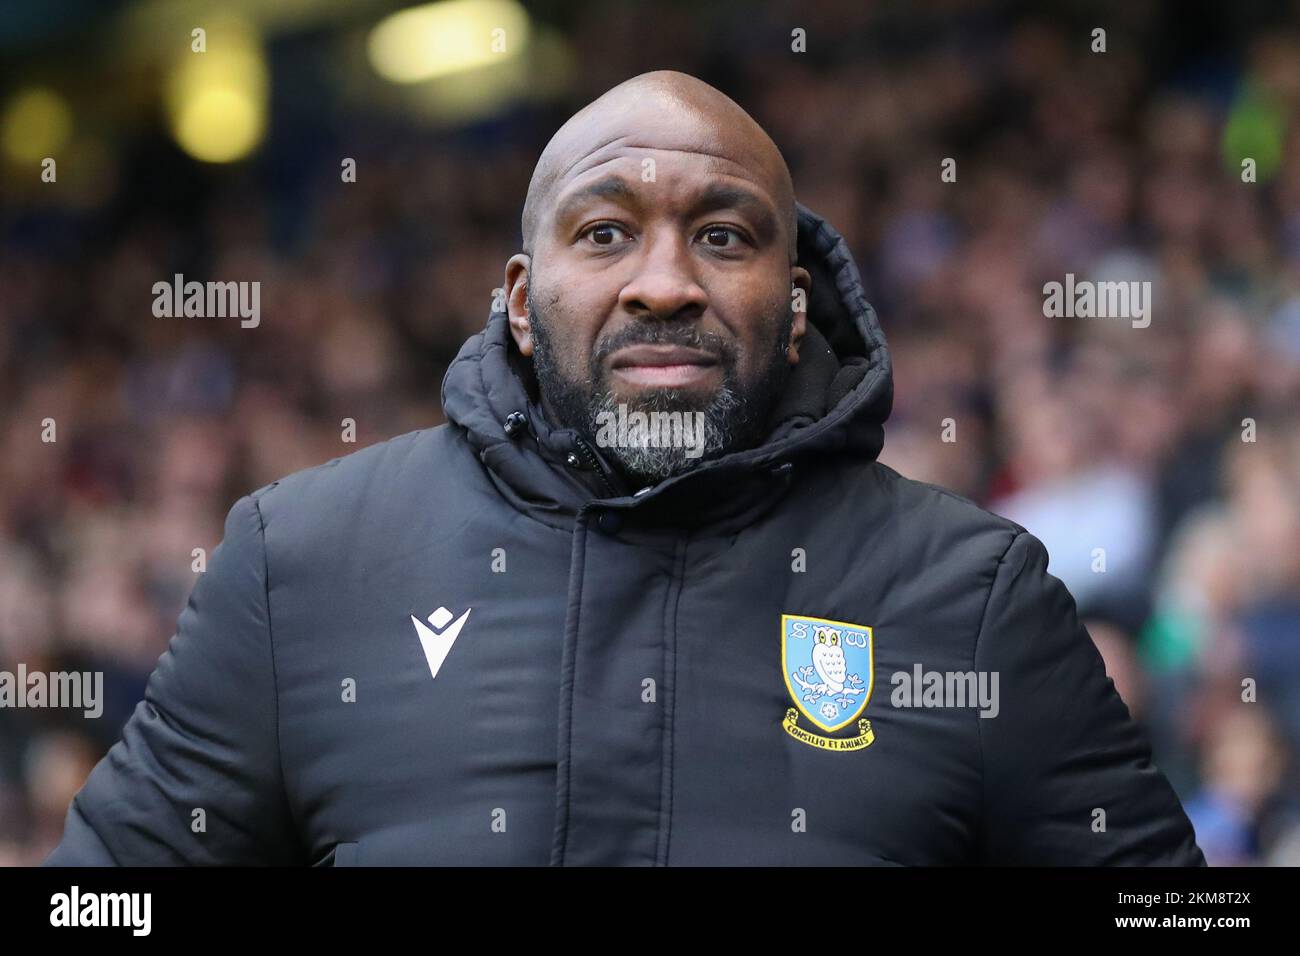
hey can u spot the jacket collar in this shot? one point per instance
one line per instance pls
(836, 402)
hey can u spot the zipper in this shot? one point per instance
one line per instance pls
(592, 461)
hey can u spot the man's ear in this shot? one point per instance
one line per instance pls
(800, 291)
(516, 287)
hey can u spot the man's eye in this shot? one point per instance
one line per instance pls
(712, 235)
(604, 233)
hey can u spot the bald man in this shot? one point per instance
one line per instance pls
(648, 598)
(651, 319)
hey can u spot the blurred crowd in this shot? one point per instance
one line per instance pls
(1160, 465)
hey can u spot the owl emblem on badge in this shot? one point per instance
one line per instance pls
(828, 668)
(828, 658)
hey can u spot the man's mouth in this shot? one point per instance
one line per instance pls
(664, 365)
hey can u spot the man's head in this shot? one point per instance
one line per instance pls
(658, 268)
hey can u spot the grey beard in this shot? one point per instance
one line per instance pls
(649, 461)
(733, 418)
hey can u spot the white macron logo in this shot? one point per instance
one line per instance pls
(435, 640)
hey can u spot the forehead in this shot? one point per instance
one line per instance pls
(700, 147)
(666, 121)
(671, 180)
(709, 148)
(667, 174)
(666, 126)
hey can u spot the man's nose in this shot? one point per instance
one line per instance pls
(665, 285)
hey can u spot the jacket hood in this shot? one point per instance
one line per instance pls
(836, 402)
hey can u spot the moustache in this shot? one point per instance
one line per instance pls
(687, 336)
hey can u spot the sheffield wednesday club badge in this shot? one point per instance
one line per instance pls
(829, 671)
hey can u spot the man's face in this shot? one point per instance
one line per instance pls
(665, 296)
